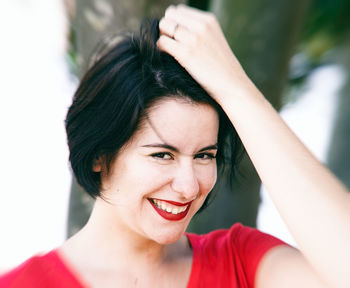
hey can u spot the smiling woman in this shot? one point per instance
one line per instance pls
(117, 94)
(146, 140)
(167, 169)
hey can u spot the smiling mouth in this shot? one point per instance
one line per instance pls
(170, 210)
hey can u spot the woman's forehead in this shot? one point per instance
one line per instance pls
(185, 107)
(179, 124)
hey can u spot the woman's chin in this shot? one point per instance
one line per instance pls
(168, 238)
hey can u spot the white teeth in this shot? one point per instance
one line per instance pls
(182, 209)
(165, 206)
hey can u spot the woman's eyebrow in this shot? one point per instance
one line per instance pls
(211, 147)
(160, 145)
(172, 148)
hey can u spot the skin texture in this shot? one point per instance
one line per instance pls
(127, 241)
(314, 204)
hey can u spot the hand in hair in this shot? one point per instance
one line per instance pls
(199, 45)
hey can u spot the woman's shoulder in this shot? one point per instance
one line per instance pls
(42, 270)
(26, 270)
(238, 235)
(239, 248)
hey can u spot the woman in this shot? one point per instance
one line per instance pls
(144, 138)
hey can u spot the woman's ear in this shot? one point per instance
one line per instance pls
(98, 164)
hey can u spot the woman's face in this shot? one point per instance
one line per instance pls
(162, 176)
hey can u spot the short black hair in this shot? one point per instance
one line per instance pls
(114, 96)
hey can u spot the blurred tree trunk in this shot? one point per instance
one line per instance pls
(338, 155)
(91, 21)
(263, 35)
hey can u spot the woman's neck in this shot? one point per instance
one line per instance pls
(104, 243)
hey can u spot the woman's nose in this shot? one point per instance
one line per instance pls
(185, 182)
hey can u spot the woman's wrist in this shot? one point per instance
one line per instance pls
(236, 93)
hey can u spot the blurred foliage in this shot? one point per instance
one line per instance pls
(72, 54)
(200, 4)
(326, 27)
(327, 19)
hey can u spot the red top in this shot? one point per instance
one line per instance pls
(45, 271)
(222, 258)
(228, 258)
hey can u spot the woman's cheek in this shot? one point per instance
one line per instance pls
(153, 173)
(208, 176)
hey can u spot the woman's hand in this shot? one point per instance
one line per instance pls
(194, 38)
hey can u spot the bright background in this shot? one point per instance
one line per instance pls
(36, 89)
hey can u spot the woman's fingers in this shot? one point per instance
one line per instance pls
(173, 14)
(190, 18)
(174, 30)
(181, 9)
(168, 27)
(170, 46)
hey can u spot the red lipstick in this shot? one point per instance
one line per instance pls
(170, 216)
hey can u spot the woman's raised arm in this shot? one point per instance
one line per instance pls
(314, 204)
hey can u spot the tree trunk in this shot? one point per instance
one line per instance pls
(338, 155)
(92, 20)
(263, 35)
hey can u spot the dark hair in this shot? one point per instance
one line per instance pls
(114, 95)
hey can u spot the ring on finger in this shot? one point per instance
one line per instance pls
(174, 30)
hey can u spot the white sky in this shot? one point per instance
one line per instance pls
(34, 94)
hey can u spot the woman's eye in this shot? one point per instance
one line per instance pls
(205, 156)
(162, 156)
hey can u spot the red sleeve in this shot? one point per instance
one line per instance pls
(228, 258)
(252, 245)
(40, 272)
(21, 276)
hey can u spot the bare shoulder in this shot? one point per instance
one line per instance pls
(284, 266)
